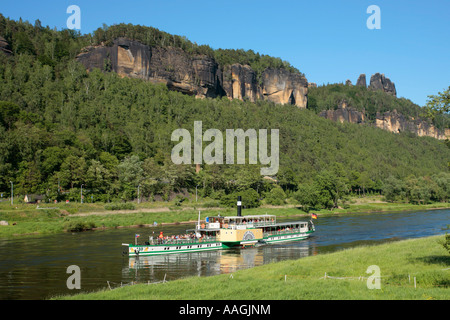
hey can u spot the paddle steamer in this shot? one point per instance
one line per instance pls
(225, 232)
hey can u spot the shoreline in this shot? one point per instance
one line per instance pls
(106, 220)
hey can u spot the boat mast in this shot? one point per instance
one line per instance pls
(197, 234)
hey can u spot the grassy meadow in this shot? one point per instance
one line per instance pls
(399, 262)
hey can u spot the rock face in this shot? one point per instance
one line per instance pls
(194, 76)
(380, 82)
(396, 122)
(361, 80)
(239, 81)
(198, 75)
(281, 86)
(390, 121)
(4, 46)
(344, 114)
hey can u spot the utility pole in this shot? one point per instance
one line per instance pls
(12, 193)
(139, 200)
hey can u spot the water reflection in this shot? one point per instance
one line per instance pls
(190, 264)
(213, 262)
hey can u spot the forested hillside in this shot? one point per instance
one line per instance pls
(360, 98)
(62, 127)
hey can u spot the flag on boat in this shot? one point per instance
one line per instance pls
(314, 216)
(137, 235)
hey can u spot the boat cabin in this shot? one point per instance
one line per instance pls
(288, 227)
(251, 221)
(214, 222)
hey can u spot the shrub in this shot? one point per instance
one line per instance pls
(77, 226)
(120, 206)
(211, 204)
(178, 200)
(446, 242)
(276, 196)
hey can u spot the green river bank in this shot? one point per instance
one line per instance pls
(25, 219)
(408, 269)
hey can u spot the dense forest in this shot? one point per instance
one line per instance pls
(62, 128)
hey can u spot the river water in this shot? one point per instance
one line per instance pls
(35, 267)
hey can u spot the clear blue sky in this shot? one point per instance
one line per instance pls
(328, 40)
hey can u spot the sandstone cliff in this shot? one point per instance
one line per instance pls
(380, 82)
(396, 122)
(361, 80)
(239, 82)
(390, 121)
(281, 86)
(196, 75)
(344, 114)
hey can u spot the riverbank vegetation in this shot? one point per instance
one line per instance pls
(25, 219)
(423, 261)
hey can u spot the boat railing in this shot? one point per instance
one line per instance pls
(283, 231)
(160, 241)
(247, 225)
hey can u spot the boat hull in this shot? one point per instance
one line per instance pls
(235, 244)
(159, 249)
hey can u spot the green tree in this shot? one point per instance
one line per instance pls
(365, 182)
(28, 178)
(152, 177)
(51, 160)
(442, 190)
(73, 171)
(98, 178)
(332, 187)
(23, 44)
(276, 196)
(130, 175)
(394, 189)
(438, 104)
(9, 112)
(250, 199)
(308, 196)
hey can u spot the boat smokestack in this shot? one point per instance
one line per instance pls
(239, 204)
